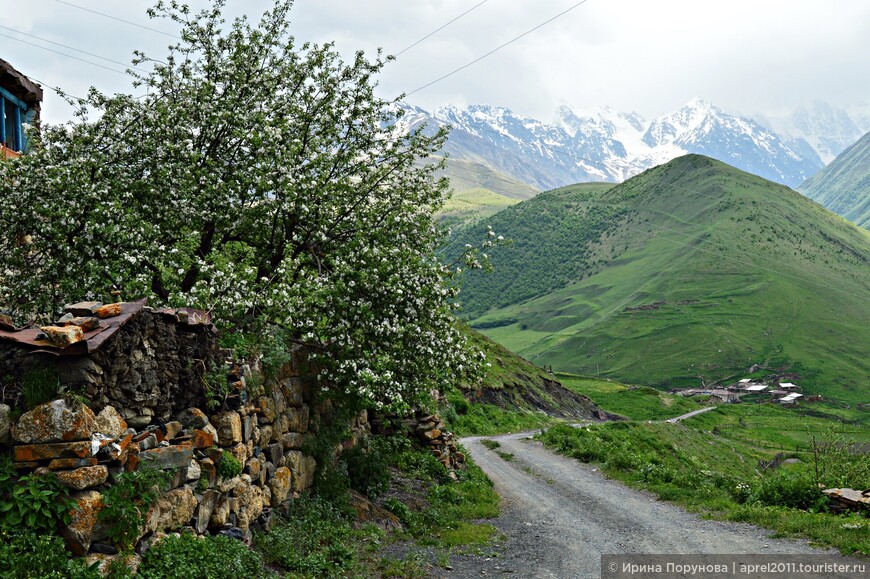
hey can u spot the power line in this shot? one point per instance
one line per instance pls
(494, 50)
(60, 92)
(64, 54)
(119, 19)
(69, 47)
(440, 28)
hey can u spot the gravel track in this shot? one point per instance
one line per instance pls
(559, 516)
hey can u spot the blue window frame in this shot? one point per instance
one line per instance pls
(13, 111)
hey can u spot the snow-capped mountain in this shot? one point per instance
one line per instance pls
(826, 129)
(610, 145)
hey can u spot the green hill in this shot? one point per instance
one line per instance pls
(477, 191)
(844, 185)
(690, 271)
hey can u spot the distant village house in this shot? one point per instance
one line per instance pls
(20, 98)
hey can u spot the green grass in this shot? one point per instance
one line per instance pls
(636, 403)
(717, 476)
(690, 271)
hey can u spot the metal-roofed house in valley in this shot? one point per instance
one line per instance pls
(20, 98)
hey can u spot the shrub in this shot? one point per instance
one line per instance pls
(193, 557)
(127, 502)
(25, 554)
(228, 466)
(836, 464)
(789, 490)
(35, 503)
(368, 466)
(311, 541)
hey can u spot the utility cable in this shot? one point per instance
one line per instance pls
(119, 19)
(64, 54)
(494, 50)
(69, 47)
(440, 28)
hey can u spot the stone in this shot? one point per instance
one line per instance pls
(250, 505)
(298, 419)
(194, 471)
(63, 336)
(202, 439)
(84, 477)
(279, 485)
(83, 308)
(5, 424)
(68, 463)
(55, 421)
(148, 442)
(282, 425)
(193, 418)
(220, 513)
(172, 429)
(265, 434)
(86, 323)
(35, 452)
(166, 457)
(208, 470)
(171, 511)
(275, 452)
(293, 392)
(267, 409)
(303, 468)
(111, 423)
(292, 440)
(204, 510)
(108, 311)
(105, 562)
(430, 434)
(280, 401)
(247, 428)
(240, 452)
(252, 467)
(229, 427)
(79, 532)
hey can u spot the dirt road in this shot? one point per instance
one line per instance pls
(559, 516)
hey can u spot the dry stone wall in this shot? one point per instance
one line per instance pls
(145, 405)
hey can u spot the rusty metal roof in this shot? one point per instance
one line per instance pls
(92, 340)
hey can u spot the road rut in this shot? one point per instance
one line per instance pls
(559, 516)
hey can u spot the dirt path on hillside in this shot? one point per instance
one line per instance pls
(559, 516)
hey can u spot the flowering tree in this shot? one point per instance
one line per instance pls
(258, 179)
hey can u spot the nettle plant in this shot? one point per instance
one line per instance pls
(258, 179)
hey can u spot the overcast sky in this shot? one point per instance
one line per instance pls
(752, 56)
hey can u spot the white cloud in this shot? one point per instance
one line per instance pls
(631, 54)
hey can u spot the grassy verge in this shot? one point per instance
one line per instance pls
(717, 476)
(633, 402)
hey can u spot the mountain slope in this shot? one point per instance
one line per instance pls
(690, 271)
(844, 185)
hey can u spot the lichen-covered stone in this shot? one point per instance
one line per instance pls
(165, 457)
(303, 468)
(209, 471)
(108, 311)
(105, 562)
(110, 422)
(70, 463)
(279, 485)
(83, 308)
(171, 511)
(202, 439)
(55, 421)
(84, 477)
(267, 410)
(63, 336)
(35, 452)
(193, 418)
(229, 427)
(79, 533)
(292, 440)
(240, 452)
